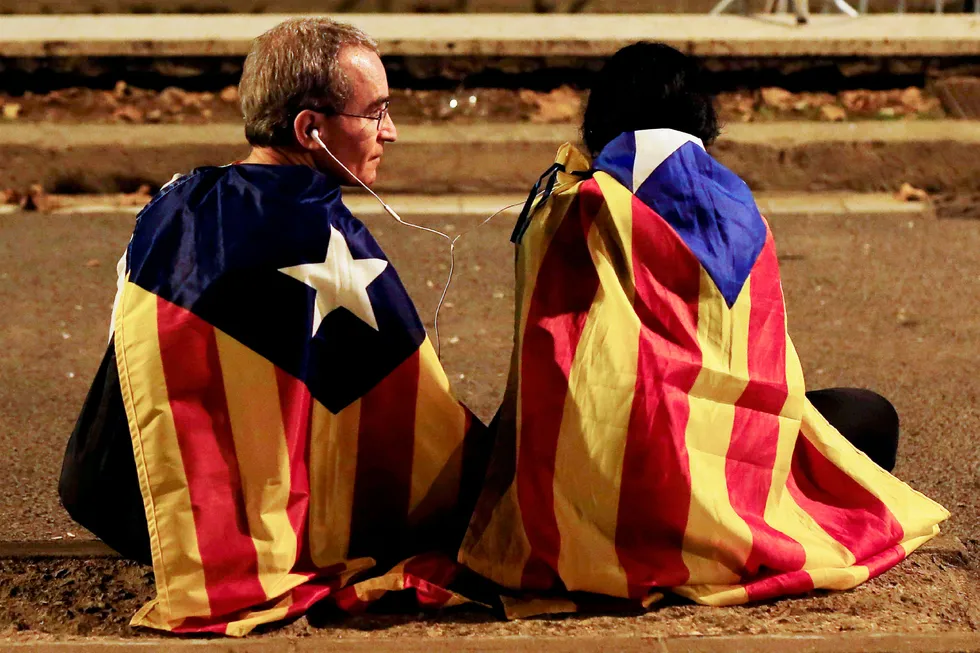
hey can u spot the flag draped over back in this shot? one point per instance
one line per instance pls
(655, 432)
(293, 429)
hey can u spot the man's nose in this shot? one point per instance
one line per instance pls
(389, 133)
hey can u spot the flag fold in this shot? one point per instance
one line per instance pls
(655, 432)
(295, 435)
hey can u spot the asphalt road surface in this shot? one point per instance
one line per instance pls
(877, 302)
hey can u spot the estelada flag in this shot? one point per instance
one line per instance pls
(655, 432)
(293, 429)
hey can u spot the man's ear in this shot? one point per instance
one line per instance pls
(303, 125)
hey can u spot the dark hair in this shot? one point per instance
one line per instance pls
(648, 86)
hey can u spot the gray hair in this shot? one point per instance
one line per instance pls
(293, 66)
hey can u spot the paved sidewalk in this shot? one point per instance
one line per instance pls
(525, 35)
(771, 204)
(843, 643)
(506, 158)
(877, 302)
(791, 133)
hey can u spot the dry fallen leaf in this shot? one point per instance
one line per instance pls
(909, 193)
(127, 114)
(560, 105)
(9, 196)
(777, 98)
(229, 94)
(139, 198)
(172, 99)
(36, 199)
(11, 111)
(911, 98)
(814, 100)
(741, 104)
(833, 113)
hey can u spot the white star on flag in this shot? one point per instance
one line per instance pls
(339, 281)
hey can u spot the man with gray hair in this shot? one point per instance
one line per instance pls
(270, 418)
(314, 74)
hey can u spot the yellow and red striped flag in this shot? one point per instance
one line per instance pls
(655, 432)
(294, 432)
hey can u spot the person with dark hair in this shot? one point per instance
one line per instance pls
(648, 86)
(653, 86)
(656, 432)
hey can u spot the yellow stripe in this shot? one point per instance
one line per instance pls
(913, 543)
(782, 512)
(252, 394)
(595, 422)
(437, 459)
(278, 611)
(333, 467)
(173, 537)
(502, 551)
(520, 608)
(534, 245)
(245, 625)
(537, 239)
(281, 608)
(717, 540)
(714, 595)
(373, 589)
(838, 579)
(916, 513)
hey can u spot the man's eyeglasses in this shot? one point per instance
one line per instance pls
(380, 116)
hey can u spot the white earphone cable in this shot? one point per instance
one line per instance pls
(452, 241)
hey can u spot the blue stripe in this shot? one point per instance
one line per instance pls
(709, 207)
(214, 243)
(616, 159)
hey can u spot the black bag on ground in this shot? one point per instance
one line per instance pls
(99, 487)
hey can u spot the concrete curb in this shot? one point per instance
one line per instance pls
(836, 643)
(83, 548)
(524, 35)
(506, 158)
(419, 207)
(56, 549)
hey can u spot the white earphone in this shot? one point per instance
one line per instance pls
(315, 134)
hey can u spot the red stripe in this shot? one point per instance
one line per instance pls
(383, 480)
(430, 575)
(563, 293)
(779, 584)
(840, 505)
(655, 492)
(427, 576)
(201, 625)
(308, 594)
(296, 405)
(189, 353)
(755, 431)
(348, 601)
(884, 561)
(800, 582)
(303, 598)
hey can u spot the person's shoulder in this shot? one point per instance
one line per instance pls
(248, 189)
(181, 188)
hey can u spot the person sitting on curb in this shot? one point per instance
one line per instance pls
(656, 432)
(270, 418)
